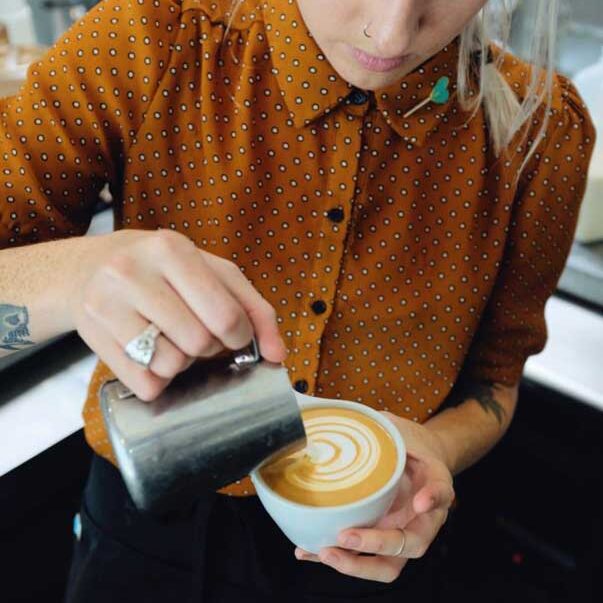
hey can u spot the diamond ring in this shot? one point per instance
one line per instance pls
(141, 348)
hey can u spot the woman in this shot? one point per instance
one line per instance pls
(385, 198)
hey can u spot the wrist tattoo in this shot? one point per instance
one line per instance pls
(483, 392)
(14, 327)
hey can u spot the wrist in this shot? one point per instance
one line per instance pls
(441, 450)
(423, 441)
(442, 445)
(85, 256)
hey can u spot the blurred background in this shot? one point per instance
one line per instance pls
(528, 523)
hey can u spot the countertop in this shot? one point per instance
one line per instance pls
(583, 274)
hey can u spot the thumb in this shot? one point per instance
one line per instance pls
(434, 495)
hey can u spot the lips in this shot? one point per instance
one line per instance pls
(379, 64)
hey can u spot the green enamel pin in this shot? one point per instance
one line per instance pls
(440, 95)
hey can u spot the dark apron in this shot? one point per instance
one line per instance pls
(225, 549)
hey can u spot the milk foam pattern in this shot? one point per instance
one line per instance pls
(344, 452)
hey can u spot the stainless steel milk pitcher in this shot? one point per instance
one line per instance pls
(212, 425)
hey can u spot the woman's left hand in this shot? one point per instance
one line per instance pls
(415, 518)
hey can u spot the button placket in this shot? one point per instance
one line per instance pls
(301, 385)
(336, 215)
(318, 307)
(335, 231)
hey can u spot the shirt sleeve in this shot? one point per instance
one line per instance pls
(541, 232)
(65, 134)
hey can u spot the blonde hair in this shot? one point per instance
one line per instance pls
(506, 114)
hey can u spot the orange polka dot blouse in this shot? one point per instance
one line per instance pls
(395, 251)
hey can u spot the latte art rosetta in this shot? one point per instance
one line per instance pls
(342, 452)
(349, 456)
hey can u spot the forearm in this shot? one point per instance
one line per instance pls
(473, 423)
(37, 283)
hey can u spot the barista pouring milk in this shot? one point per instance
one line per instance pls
(378, 193)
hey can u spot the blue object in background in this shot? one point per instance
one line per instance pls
(52, 17)
(77, 526)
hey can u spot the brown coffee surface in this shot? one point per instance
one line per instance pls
(349, 457)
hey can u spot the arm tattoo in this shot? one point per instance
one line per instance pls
(14, 332)
(483, 392)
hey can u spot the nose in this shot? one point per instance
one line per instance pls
(395, 25)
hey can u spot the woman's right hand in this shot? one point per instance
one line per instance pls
(201, 303)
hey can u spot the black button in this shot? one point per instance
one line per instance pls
(358, 97)
(319, 307)
(335, 214)
(301, 385)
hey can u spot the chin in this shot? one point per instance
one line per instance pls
(373, 81)
(369, 80)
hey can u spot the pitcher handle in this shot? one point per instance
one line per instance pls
(246, 357)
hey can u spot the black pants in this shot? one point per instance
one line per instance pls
(228, 550)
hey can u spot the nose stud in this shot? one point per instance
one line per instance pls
(365, 31)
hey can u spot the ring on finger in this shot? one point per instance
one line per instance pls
(402, 546)
(141, 348)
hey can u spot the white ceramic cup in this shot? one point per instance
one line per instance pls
(313, 528)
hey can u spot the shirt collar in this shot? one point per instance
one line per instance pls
(311, 87)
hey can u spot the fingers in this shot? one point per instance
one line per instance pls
(116, 314)
(208, 298)
(422, 531)
(379, 569)
(413, 543)
(438, 493)
(384, 562)
(303, 555)
(144, 383)
(430, 506)
(400, 512)
(377, 542)
(259, 311)
(158, 303)
(201, 304)
(227, 303)
(125, 324)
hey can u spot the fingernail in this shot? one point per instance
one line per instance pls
(352, 541)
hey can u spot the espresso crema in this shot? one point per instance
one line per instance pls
(349, 457)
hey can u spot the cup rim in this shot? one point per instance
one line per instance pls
(306, 402)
